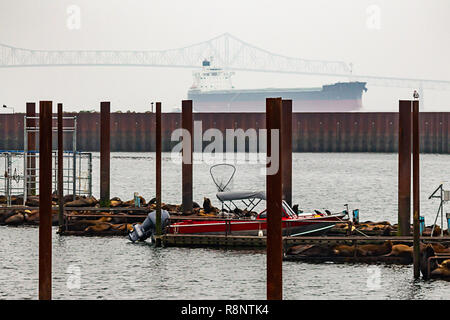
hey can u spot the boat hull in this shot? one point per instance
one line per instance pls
(290, 227)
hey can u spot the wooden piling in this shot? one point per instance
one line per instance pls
(416, 189)
(286, 136)
(158, 174)
(404, 168)
(60, 168)
(45, 200)
(105, 154)
(187, 126)
(31, 161)
(274, 201)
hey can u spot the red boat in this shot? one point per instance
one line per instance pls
(293, 224)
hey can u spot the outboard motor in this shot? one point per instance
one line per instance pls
(148, 227)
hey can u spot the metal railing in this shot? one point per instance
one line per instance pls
(21, 180)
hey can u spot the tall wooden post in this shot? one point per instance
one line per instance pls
(187, 124)
(274, 200)
(60, 168)
(416, 189)
(31, 162)
(45, 200)
(105, 134)
(158, 174)
(404, 169)
(286, 134)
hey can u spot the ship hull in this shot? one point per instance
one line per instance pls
(339, 97)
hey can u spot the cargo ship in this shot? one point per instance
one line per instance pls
(213, 91)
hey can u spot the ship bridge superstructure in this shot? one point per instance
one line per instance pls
(212, 78)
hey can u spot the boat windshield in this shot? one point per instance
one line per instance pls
(287, 212)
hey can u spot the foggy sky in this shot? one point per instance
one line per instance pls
(413, 41)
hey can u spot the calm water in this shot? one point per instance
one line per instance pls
(113, 268)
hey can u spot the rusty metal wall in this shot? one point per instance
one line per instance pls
(312, 132)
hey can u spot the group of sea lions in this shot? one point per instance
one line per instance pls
(383, 250)
(383, 228)
(15, 217)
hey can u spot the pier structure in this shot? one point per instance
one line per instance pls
(416, 187)
(187, 159)
(158, 174)
(409, 142)
(60, 169)
(105, 147)
(20, 167)
(45, 200)
(404, 168)
(274, 192)
(286, 150)
(30, 139)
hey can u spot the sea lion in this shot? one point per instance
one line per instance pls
(446, 264)
(170, 207)
(119, 227)
(436, 232)
(83, 224)
(427, 251)
(4, 215)
(82, 202)
(15, 220)
(374, 249)
(17, 200)
(298, 249)
(202, 212)
(32, 201)
(439, 248)
(115, 202)
(103, 226)
(387, 230)
(69, 198)
(383, 227)
(344, 250)
(400, 250)
(129, 203)
(318, 251)
(33, 216)
(442, 271)
(207, 205)
(103, 219)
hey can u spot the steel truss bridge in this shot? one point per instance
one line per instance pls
(228, 52)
